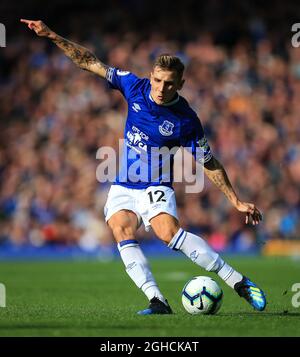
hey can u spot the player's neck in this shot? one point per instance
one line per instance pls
(171, 102)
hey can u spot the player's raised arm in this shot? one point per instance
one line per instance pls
(217, 174)
(80, 55)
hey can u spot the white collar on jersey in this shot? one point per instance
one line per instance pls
(166, 104)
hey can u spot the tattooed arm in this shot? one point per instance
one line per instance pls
(81, 56)
(217, 174)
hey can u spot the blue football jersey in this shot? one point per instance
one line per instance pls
(153, 133)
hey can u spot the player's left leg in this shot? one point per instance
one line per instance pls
(167, 228)
(123, 224)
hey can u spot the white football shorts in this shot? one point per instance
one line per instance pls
(145, 203)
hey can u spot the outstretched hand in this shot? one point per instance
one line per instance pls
(252, 212)
(38, 27)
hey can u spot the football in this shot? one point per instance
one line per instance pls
(202, 295)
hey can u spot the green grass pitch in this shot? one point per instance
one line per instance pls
(93, 298)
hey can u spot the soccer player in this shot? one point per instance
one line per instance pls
(158, 117)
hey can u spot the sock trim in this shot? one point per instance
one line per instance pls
(127, 243)
(179, 239)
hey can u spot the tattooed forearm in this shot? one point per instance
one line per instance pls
(80, 55)
(216, 173)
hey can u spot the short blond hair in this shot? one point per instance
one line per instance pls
(171, 63)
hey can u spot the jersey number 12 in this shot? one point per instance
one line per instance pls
(159, 198)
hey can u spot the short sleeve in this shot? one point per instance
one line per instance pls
(124, 81)
(194, 140)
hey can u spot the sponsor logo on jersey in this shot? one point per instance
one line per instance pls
(134, 139)
(166, 129)
(143, 135)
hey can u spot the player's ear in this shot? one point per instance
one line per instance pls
(181, 83)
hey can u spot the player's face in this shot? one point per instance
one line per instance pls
(164, 85)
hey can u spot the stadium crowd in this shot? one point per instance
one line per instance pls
(54, 117)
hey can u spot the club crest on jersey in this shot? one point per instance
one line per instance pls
(166, 129)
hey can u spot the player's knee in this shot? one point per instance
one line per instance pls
(122, 233)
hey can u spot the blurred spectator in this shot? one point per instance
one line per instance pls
(54, 117)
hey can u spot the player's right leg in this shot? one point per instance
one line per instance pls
(198, 250)
(124, 224)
